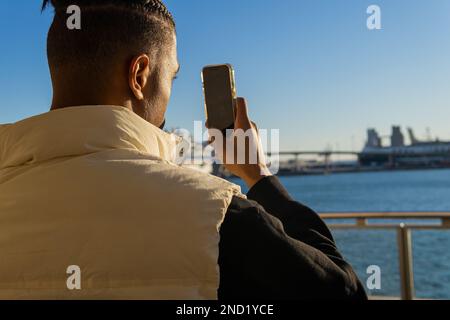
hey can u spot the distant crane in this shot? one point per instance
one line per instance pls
(412, 137)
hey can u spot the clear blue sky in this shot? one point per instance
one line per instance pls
(308, 67)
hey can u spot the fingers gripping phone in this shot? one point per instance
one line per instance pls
(220, 94)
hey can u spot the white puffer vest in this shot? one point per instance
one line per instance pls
(95, 187)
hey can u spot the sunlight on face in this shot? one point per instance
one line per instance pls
(159, 93)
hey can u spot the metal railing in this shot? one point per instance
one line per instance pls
(428, 221)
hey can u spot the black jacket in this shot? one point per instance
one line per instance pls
(272, 247)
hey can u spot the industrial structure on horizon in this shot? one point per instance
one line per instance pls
(431, 153)
(377, 155)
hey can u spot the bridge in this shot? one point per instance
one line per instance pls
(325, 153)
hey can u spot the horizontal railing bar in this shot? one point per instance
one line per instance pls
(387, 227)
(386, 215)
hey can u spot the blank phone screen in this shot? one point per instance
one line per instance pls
(218, 85)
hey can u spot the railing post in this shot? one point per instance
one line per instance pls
(405, 262)
(361, 222)
(446, 222)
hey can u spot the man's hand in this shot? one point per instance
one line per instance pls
(246, 160)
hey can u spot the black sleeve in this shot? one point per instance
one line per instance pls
(272, 247)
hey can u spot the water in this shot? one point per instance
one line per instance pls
(398, 191)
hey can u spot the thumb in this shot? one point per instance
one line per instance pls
(242, 118)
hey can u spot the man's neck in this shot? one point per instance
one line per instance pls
(68, 102)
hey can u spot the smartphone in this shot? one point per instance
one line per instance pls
(220, 93)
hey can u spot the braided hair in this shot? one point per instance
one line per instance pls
(110, 30)
(145, 6)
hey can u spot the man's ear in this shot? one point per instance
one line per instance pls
(138, 75)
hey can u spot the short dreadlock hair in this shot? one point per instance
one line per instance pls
(109, 30)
